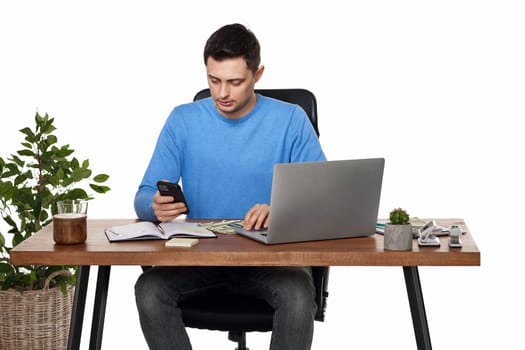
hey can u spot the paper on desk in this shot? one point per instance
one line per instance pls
(182, 242)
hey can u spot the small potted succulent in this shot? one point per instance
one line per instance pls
(398, 231)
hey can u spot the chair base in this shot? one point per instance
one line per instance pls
(239, 338)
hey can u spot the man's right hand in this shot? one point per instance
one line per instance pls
(165, 209)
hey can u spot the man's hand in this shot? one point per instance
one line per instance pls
(165, 209)
(257, 217)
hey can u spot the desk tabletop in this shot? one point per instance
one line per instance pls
(235, 250)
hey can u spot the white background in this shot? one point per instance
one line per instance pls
(437, 88)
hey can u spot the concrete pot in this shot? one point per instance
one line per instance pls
(398, 237)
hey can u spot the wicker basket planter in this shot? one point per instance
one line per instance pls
(35, 319)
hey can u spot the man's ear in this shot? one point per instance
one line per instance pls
(259, 73)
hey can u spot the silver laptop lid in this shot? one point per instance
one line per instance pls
(325, 200)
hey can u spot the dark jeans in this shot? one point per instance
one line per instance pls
(289, 290)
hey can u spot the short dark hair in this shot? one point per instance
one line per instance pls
(231, 41)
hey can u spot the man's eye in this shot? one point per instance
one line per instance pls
(236, 82)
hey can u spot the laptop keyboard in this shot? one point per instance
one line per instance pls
(262, 232)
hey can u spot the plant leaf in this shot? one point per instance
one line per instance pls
(101, 178)
(6, 268)
(99, 188)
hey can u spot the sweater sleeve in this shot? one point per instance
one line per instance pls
(142, 203)
(165, 164)
(305, 143)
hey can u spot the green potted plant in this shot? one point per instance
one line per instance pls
(31, 182)
(398, 231)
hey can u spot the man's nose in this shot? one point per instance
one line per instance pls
(224, 91)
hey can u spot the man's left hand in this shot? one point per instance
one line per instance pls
(257, 217)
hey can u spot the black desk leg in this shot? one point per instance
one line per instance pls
(77, 313)
(99, 308)
(417, 307)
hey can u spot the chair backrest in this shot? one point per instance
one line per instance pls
(301, 97)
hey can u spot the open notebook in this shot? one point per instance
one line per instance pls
(148, 230)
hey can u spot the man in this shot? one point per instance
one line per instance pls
(223, 150)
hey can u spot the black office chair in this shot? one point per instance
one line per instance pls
(240, 314)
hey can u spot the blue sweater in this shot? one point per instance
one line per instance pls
(226, 165)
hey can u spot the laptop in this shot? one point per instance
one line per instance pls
(322, 200)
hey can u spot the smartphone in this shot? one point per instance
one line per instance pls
(170, 189)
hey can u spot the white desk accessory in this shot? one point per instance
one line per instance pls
(427, 238)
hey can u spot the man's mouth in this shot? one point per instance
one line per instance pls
(224, 103)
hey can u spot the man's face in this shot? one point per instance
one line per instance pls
(231, 85)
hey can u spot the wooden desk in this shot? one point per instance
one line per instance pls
(234, 250)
